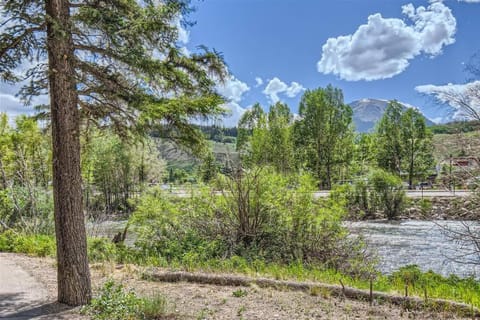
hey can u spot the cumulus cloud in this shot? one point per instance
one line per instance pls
(464, 98)
(9, 103)
(233, 90)
(277, 86)
(259, 82)
(383, 47)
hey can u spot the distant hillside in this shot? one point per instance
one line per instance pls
(367, 112)
(456, 127)
(177, 157)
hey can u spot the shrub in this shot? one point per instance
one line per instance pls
(115, 303)
(378, 191)
(36, 244)
(257, 215)
(389, 192)
(101, 249)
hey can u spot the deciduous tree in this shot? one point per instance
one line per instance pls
(324, 136)
(404, 143)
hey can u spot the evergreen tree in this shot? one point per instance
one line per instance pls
(114, 62)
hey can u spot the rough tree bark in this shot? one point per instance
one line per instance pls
(74, 286)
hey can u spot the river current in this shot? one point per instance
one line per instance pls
(440, 246)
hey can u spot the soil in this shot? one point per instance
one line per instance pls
(200, 301)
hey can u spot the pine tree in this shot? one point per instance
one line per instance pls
(113, 62)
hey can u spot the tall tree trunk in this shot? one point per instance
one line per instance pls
(73, 276)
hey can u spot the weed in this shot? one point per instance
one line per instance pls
(115, 303)
(316, 291)
(239, 293)
(241, 310)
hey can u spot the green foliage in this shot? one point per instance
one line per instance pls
(116, 169)
(389, 192)
(148, 81)
(259, 214)
(209, 169)
(265, 138)
(404, 145)
(323, 138)
(115, 303)
(239, 293)
(425, 205)
(35, 244)
(25, 196)
(389, 144)
(101, 249)
(365, 150)
(455, 127)
(246, 124)
(164, 228)
(377, 191)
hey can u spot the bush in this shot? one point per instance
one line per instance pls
(101, 249)
(379, 191)
(389, 192)
(36, 244)
(114, 303)
(27, 209)
(258, 215)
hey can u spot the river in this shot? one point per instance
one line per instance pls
(428, 244)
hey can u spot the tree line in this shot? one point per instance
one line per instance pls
(322, 141)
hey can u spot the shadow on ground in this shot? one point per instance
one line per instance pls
(53, 310)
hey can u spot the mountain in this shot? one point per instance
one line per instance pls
(367, 112)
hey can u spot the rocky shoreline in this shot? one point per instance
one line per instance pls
(459, 209)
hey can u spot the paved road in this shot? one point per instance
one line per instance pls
(409, 193)
(419, 193)
(20, 293)
(22, 296)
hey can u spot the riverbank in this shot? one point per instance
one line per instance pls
(434, 208)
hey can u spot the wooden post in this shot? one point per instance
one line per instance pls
(371, 292)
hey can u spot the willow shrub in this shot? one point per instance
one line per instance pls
(254, 214)
(377, 192)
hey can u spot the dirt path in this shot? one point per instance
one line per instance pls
(24, 294)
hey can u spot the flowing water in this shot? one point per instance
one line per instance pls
(440, 246)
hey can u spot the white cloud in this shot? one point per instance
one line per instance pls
(383, 47)
(183, 34)
(233, 90)
(464, 98)
(277, 86)
(294, 89)
(470, 1)
(259, 82)
(235, 113)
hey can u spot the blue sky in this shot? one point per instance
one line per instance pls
(419, 43)
(386, 49)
